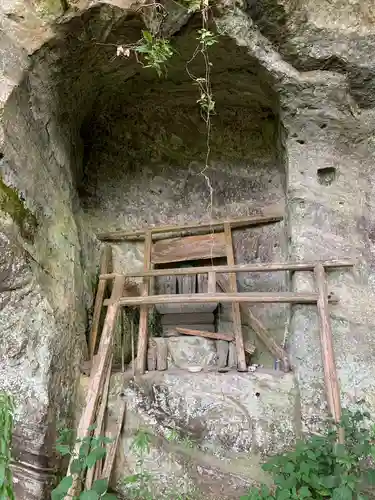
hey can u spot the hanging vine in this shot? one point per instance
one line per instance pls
(154, 51)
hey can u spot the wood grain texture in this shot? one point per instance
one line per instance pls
(205, 333)
(251, 297)
(171, 330)
(271, 215)
(260, 330)
(112, 449)
(328, 356)
(238, 268)
(181, 308)
(143, 317)
(95, 471)
(105, 267)
(205, 246)
(236, 314)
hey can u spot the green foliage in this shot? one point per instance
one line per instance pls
(139, 485)
(155, 51)
(12, 204)
(91, 450)
(321, 468)
(6, 434)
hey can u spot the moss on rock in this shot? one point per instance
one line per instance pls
(11, 204)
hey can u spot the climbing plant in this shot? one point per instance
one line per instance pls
(153, 50)
(91, 450)
(321, 468)
(6, 434)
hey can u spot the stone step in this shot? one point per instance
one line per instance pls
(188, 319)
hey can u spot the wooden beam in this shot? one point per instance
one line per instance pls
(211, 288)
(259, 329)
(99, 430)
(97, 378)
(204, 246)
(201, 298)
(276, 215)
(112, 449)
(238, 268)
(328, 356)
(203, 333)
(236, 314)
(105, 264)
(143, 318)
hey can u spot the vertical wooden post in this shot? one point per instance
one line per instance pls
(241, 361)
(212, 282)
(98, 375)
(328, 356)
(105, 267)
(143, 318)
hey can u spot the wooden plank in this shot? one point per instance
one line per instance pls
(96, 382)
(240, 268)
(222, 348)
(202, 283)
(99, 431)
(143, 317)
(206, 334)
(98, 375)
(232, 356)
(251, 297)
(186, 284)
(171, 330)
(181, 308)
(188, 319)
(275, 214)
(241, 360)
(205, 246)
(151, 355)
(259, 329)
(211, 285)
(161, 354)
(328, 356)
(166, 285)
(111, 453)
(105, 265)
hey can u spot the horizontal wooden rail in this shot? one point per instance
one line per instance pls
(239, 268)
(255, 220)
(200, 298)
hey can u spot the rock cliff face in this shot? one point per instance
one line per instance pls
(90, 141)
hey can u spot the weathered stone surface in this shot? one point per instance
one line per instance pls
(208, 431)
(186, 351)
(91, 142)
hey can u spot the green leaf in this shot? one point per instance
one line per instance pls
(2, 474)
(100, 486)
(76, 466)
(289, 468)
(92, 427)
(109, 496)
(147, 36)
(304, 492)
(329, 481)
(57, 495)
(89, 495)
(64, 485)
(340, 451)
(63, 449)
(342, 493)
(371, 477)
(95, 455)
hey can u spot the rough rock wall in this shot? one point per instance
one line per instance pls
(322, 70)
(208, 433)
